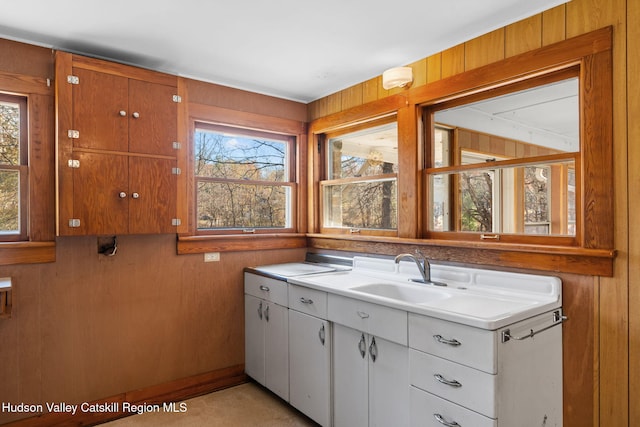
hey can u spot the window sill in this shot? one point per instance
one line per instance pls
(27, 252)
(559, 259)
(230, 243)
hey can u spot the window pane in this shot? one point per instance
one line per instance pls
(369, 205)
(9, 202)
(229, 156)
(534, 199)
(9, 133)
(368, 152)
(224, 205)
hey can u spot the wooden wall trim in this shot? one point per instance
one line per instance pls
(172, 391)
(230, 243)
(530, 257)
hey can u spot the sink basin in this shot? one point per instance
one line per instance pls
(415, 294)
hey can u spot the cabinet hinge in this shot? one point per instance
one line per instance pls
(74, 163)
(74, 80)
(176, 222)
(177, 98)
(74, 223)
(74, 134)
(176, 145)
(176, 171)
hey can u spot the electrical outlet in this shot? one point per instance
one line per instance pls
(212, 256)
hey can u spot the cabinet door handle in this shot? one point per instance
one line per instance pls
(373, 350)
(122, 113)
(443, 380)
(321, 334)
(266, 314)
(453, 342)
(306, 300)
(122, 195)
(260, 310)
(136, 115)
(135, 195)
(362, 314)
(264, 288)
(362, 346)
(444, 422)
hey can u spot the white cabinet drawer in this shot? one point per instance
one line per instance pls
(463, 344)
(308, 301)
(266, 288)
(471, 388)
(427, 410)
(374, 319)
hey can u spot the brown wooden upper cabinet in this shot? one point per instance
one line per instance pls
(116, 147)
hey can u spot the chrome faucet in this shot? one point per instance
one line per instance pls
(423, 266)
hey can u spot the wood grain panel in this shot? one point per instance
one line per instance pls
(453, 61)
(419, 72)
(370, 89)
(553, 25)
(155, 208)
(523, 36)
(434, 68)
(408, 180)
(485, 49)
(351, 97)
(26, 60)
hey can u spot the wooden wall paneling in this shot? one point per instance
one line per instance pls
(26, 59)
(523, 36)
(434, 68)
(42, 212)
(419, 72)
(485, 49)
(370, 89)
(334, 103)
(453, 61)
(409, 198)
(553, 25)
(351, 97)
(633, 160)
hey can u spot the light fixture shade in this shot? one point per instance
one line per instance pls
(397, 77)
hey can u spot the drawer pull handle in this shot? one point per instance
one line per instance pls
(373, 350)
(453, 342)
(321, 334)
(362, 346)
(306, 300)
(264, 288)
(266, 314)
(442, 421)
(363, 315)
(260, 310)
(443, 380)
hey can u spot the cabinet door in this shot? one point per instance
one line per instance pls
(388, 383)
(153, 117)
(98, 100)
(254, 338)
(152, 195)
(97, 185)
(350, 377)
(309, 366)
(276, 349)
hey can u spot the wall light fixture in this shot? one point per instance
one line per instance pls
(397, 77)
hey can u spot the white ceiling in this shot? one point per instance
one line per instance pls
(293, 49)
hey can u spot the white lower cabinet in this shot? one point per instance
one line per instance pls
(310, 366)
(370, 372)
(267, 334)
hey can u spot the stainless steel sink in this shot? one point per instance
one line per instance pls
(409, 293)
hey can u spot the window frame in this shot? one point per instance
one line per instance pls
(325, 180)
(289, 140)
(22, 168)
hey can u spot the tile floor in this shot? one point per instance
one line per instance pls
(244, 405)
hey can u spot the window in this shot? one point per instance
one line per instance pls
(360, 192)
(13, 168)
(244, 179)
(505, 164)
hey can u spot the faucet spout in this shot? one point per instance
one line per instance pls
(423, 266)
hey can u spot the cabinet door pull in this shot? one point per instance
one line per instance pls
(135, 195)
(362, 346)
(122, 195)
(443, 380)
(362, 314)
(266, 314)
(453, 342)
(444, 422)
(373, 350)
(260, 310)
(306, 300)
(123, 113)
(264, 288)
(321, 334)
(136, 115)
